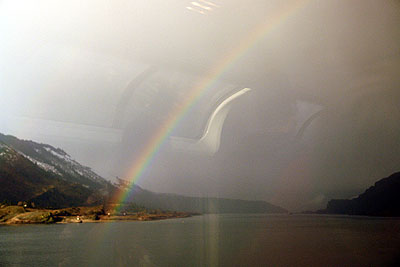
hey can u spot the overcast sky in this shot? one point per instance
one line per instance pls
(98, 78)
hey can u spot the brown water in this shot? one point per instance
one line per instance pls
(211, 240)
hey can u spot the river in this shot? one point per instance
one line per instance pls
(208, 240)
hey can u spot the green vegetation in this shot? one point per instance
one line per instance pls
(19, 215)
(34, 217)
(9, 212)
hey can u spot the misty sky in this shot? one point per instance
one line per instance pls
(98, 78)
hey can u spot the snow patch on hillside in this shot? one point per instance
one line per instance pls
(7, 153)
(44, 166)
(55, 153)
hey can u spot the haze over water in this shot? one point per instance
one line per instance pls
(209, 240)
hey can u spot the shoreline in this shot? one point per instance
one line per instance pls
(121, 218)
(17, 215)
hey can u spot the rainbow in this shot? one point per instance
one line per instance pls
(154, 144)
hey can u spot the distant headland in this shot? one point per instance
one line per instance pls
(381, 199)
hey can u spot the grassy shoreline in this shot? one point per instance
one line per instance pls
(14, 215)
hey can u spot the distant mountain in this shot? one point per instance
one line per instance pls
(198, 204)
(382, 199)
(49, 177)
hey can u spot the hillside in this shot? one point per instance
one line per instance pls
(381, 199)
(46, 176)
(55, 161)
(50, 178)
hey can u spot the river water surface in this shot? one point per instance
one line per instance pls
(209, 240)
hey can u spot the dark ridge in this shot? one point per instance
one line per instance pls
(381, 199)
